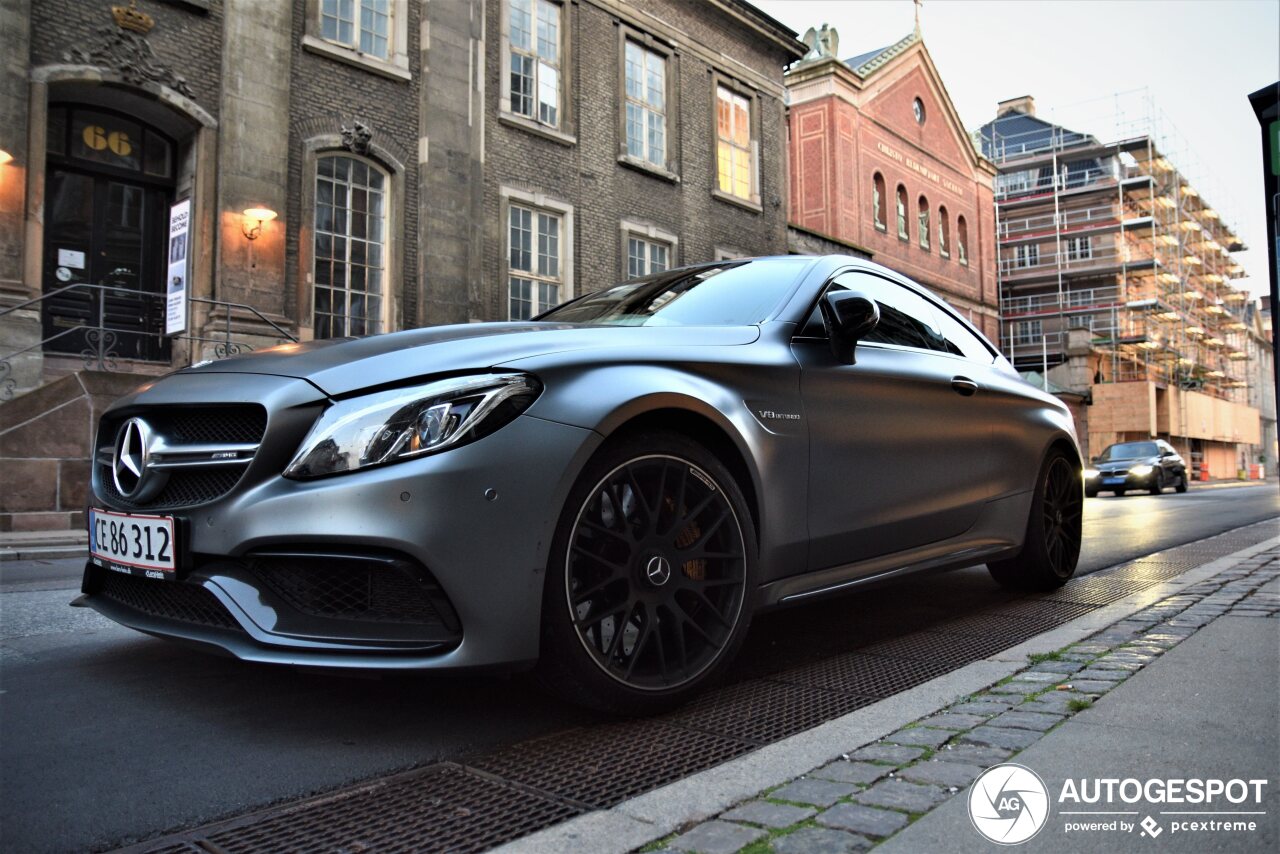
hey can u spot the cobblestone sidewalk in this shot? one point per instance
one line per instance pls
(866, 797)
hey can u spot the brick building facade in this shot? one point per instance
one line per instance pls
(880, 159)
(422, 162)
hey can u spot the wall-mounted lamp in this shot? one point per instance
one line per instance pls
(5, 157)
(253, 220)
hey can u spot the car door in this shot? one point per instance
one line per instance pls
(899, 442)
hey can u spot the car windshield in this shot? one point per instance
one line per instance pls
(1129, 451)
(733, 293)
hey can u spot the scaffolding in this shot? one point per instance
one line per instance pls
(1115, 242)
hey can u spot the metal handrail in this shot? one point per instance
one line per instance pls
(102, 338)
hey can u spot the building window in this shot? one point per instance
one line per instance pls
(734, 148)
(1026, 256)
(902, 213)
(917, 107)
(1079, 248)
(878, 201)
(645, 257)
(922, 222)
(646, 103)
(944, 233)
(534, 37)
(536, 272)
(962, 241)
(350, 247)
(363, 25)
(1027, 332)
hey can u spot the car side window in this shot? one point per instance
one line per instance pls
(906, 319)
(961, 341)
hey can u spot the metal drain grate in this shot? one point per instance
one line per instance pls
(866, 675)
(988, 623)
(1049, 612)
(764, 711)
(441, 808)
(604, 765)
(952, 650)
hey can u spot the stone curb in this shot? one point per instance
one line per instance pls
(657, 815)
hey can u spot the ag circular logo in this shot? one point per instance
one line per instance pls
(1008, 804)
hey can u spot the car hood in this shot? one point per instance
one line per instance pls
(1129, 462)
(344, 365)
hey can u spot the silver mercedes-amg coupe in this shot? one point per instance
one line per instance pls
(609, 491)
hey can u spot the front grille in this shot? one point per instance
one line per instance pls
(187, 425)
(1115, 473)
(348, 589)
(171, 600)
(184, 488)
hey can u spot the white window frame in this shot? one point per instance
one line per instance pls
(535, 120)
(1027, 332)
(650, 236)
(378, 323)
(1079, 248)
(1026, 256)
(647, 111)
(395, 64)
(735, 94)
(537, 203)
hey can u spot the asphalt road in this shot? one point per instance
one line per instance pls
(108, 736)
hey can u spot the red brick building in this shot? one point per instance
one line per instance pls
(879, 159)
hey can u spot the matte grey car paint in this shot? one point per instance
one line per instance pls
(856, 472)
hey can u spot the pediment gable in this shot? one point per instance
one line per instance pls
(889, 98)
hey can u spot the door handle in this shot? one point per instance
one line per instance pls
(964, 385)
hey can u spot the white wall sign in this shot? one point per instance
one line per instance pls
(176, 281)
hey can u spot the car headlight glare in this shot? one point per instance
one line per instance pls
(1090, 474)
(1142, 471)
(402, 424)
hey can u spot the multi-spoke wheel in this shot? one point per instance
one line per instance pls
(654, 563)
(1052, 545)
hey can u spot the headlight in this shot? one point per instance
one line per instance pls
(1090, 474)
(1141, 471)
(397, 425)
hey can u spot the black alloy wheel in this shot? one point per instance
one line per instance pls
(1054, 530)
(657, 562)
(1157, 482)
(1182, 483)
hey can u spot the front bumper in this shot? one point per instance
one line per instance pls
(485, 556)
(1107, 483)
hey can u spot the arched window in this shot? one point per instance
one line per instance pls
(878, 201)
(962, 241)
(350, 246)
(922, 221)
(902, 213)
(944, 233)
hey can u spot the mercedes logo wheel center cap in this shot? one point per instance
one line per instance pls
(658, 570)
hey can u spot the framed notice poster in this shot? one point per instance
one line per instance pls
(176, 280)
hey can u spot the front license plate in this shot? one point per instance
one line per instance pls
(1113, 481)
(133, 543)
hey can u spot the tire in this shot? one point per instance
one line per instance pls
(1119, 493)
(1182, 483)
(631, 623)
(1051, 547)
(1157, 485)
(1091, 492)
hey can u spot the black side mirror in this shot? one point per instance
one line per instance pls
(1164, 455)
(849, 316)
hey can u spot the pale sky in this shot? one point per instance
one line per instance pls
(1196, 60)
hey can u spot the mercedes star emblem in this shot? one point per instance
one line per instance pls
(133, 452)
